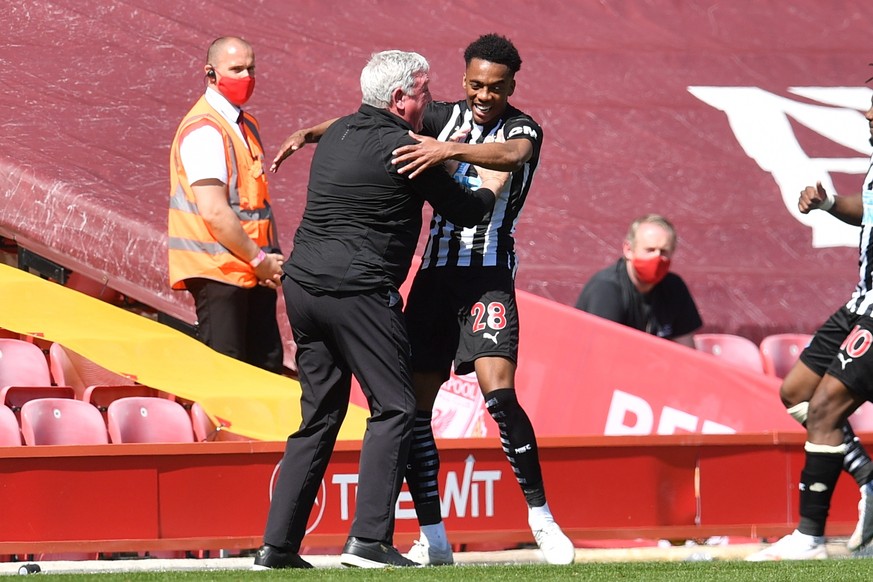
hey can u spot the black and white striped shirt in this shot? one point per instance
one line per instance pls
(491, 242)
(861, 302)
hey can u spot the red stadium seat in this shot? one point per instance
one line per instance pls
(62, 421)
(102, 395)
(731, 348)
(10, 433)
(70, 369)
(22, 364)
(779, 352)
(24, 375)
(67, 421)
(204, 428)
(143, 419)
(15, 396)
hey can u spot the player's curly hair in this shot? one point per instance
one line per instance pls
(494, 49)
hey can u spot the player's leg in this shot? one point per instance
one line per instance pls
(846, 384)
(796, 392)
(496, 376)
(433, 337)
(797, 389)
(829, 408)
(422, 476)
(489, 334)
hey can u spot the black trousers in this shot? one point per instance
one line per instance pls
(238, 322)
(362, 334)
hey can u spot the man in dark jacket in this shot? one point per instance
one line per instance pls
(639, 290)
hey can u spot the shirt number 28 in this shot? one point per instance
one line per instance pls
(493, 316)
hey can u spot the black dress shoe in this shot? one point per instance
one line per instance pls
(364, 553)
(271, 558)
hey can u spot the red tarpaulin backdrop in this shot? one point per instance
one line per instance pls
(712, 113)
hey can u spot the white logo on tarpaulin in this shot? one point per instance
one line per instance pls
(761, 122)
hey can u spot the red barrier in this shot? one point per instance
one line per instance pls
(583, 375)
(215, 495)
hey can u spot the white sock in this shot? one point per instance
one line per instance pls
(538, 517)
(435, 534)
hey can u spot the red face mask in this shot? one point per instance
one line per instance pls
(651, 270)
(237, 91)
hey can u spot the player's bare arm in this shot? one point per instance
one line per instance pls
(849, 209)
(506, 156)
(493, 180)
(298, 139)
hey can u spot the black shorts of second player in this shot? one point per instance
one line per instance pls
(843, 348)
(461, 314)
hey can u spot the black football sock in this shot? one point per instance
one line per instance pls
(817, 482)
(519, 443)
(423, 469)
(857, 461)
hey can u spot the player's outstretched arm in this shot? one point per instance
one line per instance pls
(849, 209)
(298, 139)
(504, 156)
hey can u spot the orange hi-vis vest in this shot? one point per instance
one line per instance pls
(193, 250)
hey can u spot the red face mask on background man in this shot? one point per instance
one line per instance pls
(237, 90)
(652, 270)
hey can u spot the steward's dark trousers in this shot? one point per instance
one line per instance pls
(337, 336)
(238, 322)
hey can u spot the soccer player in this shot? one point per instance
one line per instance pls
(835, 374)
(462, 303)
